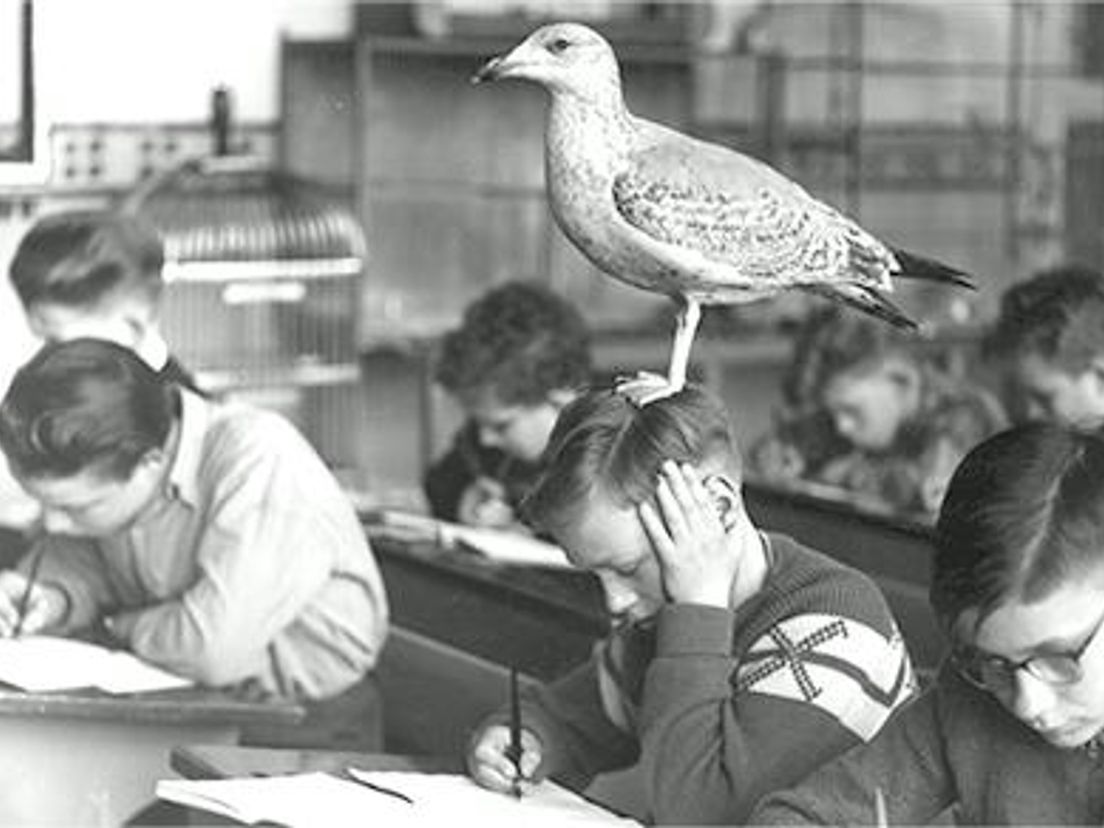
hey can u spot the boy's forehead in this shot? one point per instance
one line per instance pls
(1018, 628)
(600, 532)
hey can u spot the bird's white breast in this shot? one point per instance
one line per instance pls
(585, 149)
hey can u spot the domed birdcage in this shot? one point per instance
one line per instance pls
(264, 272)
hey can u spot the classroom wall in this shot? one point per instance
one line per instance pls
(107, 67)
(157, 60)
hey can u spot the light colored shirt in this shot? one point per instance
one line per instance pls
(250, 565)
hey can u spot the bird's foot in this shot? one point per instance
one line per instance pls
(646, 388)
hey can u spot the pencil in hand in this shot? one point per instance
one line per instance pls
(514, 751)
(25, 598)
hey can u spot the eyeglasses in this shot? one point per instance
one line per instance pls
(995, 673)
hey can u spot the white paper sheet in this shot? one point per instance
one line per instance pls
(41, 663)
(446, 800)
(451, 799)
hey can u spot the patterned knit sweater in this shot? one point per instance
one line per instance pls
(719, 707)
(954, 747)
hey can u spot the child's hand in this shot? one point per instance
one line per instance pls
(489, 761)
(777, 459)
(46, 605)
(484, 503)
(695, 558)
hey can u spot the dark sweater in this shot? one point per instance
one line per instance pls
(955, 746)
(719, 706)
(467, 460)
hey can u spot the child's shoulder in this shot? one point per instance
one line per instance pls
(803, 580)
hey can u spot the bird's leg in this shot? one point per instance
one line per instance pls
(686, 325)
(648, 387)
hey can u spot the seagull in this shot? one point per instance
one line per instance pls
(694, 220)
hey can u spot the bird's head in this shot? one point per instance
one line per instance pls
(562, 57)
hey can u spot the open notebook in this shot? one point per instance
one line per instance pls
(320, 799)
(41, 663)
(494, 544)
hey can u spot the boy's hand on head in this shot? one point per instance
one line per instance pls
(489, 761)
(689, 539)
(46, 605)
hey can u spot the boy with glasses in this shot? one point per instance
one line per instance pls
(1011, 731)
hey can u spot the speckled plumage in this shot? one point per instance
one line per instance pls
(673, 214)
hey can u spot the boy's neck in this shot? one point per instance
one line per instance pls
(748, 543)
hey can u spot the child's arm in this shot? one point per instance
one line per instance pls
(576, 720)
(74, 568)
(906, 761)
(719, 730)
(276, 530)
(719, 727)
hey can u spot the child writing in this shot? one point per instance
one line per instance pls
(208, 538)
(1049, 338)
(518, 357)
(739, 660)
(1010, 733)
(899, 424)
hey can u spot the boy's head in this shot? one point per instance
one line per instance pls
(861, 372)
(1018, 578)
(518, 357)
(603, 459)
(90, 273)
(85, 426)
(1049, 335)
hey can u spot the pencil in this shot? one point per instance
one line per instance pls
(880, 818)
(515, 731)
(25, 598)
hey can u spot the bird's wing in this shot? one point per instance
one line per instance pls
(763, 229)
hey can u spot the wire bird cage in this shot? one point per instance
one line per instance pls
(263, 275)
(263, 272)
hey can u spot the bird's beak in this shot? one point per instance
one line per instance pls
(489, 71)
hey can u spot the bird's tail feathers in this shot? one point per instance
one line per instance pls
(921, 267)
(868, 301)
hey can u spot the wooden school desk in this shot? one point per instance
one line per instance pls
(91, 759)
(458, 623)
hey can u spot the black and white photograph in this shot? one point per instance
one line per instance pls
(517, 412)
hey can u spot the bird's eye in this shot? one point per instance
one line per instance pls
(559, 45)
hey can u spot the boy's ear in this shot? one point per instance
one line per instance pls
(726, 497)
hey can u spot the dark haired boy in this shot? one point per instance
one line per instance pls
(1011, 732)
(208, 538)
